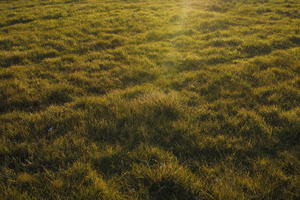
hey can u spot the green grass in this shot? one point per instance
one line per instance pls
(149, 99)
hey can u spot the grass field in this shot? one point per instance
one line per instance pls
(149, 99)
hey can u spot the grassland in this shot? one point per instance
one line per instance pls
(149, 99)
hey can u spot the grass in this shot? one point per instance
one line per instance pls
(119, 99)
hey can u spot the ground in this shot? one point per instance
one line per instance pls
(149, 99)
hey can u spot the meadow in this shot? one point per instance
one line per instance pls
(149, 99)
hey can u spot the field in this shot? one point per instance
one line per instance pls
(149, 99)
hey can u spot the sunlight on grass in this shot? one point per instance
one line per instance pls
(149, 99)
